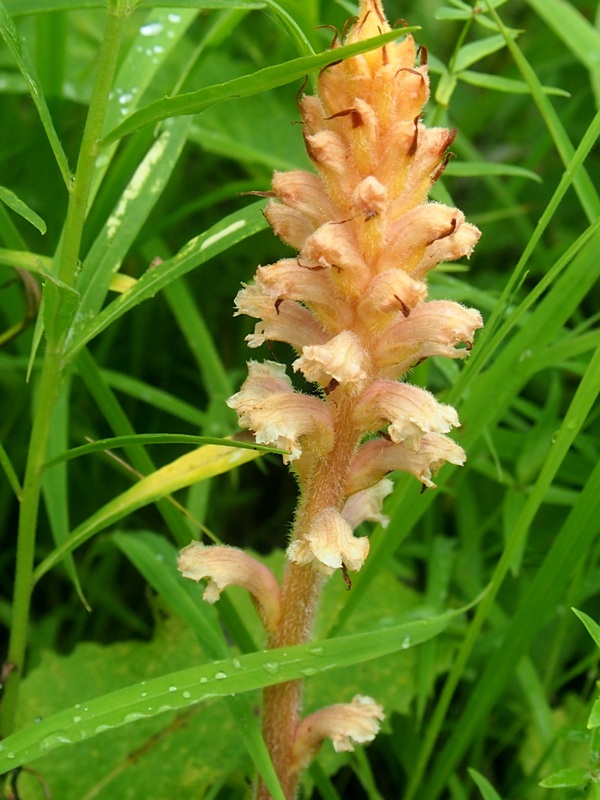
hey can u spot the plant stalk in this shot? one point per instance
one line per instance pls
(57, 320)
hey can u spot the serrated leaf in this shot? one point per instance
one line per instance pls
(201, 464)
(247, 85)
(573, 776)
(22, 209)
(185, 688)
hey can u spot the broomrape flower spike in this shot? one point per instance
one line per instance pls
(353, 307)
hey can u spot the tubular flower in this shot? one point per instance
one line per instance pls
(228, 566)
(353, 304)
(346, 724)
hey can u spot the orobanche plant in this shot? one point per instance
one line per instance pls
(353, 306)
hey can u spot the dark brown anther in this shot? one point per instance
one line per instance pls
(348, 24)
(385, 435)
(355, 116)
(419, 361)
(442, 167)
(335, 42)
(411, 70)
(422, 55)
(415, 140)
(370, 214)
(258, 194)
(300, 91)
(278, 302)
(331, 387)
(446, 233)
(423, 488)
(346, 577)
(384, 55)
(333, 64)
(403, 307)
(468, 346)
(400, 23)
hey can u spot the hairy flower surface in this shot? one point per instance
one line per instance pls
(353, 305)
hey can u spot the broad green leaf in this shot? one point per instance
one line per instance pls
(19, 53)
(485, 787)
(509, 85)
(572, 776)
(185, 688)
(260, 81)
(202, 463)
(592, 627)
(224, 234)
(154, 438)
(474, 169)
(22, 209)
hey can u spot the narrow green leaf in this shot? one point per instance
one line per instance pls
(594, 719)
(592, 627)
(155, 558)
(19, 53)
(474, 51)
(202, 463)
(485, 787)
(245, 86)
(22, 209)
(572, 776)
(475, 169)
(129, 215)
(10, 472)
(154, 438)
(224, 234)
(22, 7)
(509, 85)
(23, 259)
(188, 687)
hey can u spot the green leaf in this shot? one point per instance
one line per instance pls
(573, 776)
(594, 718)
(224, 234)
(21, 7)
(474, 51)
(475, 169)
(485, 787)
(19, 53)
(592, 627)
(509, 85)
(185, 688)
(116, 442)
(203, 463)
(23, 259)
(260, 81)
(22, 209)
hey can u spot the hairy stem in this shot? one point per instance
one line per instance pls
(300, 597)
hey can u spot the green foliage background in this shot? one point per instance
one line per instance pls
(500, 700)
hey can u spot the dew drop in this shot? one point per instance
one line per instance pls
(405, 643)
(187, 695)
(10, 755)
(317, 650)
(308, 672)
(203, 680)
(76, 720)
(237, 663)
(172, 688)
(151, 29)
(134, 716)
(174, 18)
(220, 676)
(271, 667)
